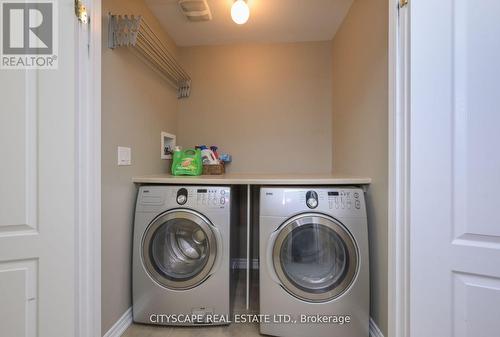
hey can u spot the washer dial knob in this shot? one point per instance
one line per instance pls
(312, 199)
(181, 199)
(182, 196)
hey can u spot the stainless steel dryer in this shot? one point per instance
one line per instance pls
(181, 262)
(314, 265)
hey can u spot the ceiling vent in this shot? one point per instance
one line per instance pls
(195, 10)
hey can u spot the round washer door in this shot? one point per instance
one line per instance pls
(179, 249)
(315, 257)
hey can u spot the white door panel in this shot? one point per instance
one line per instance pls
(18, 312)
(37, 194)
(455, 168)
(476, 117)
(472, 292)
(18, 134)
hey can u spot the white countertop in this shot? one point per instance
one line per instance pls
(255, 179)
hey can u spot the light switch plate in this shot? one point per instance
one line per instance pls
(124, 156)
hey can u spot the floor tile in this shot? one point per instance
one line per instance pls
(233, 330)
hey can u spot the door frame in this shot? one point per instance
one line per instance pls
(88, 152)
(88, 173)
(399, 171)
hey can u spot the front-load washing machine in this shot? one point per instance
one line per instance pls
(181, 263)
(314, 268)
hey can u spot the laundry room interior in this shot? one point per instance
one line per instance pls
(294, 99)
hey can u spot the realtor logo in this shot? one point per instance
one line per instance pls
(28, 34)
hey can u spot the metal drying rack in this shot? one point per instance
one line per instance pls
(134, 31)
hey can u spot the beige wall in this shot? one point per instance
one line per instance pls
(136, 106)
(269, 105)
(360, 125)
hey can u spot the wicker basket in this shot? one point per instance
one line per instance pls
(216, 169)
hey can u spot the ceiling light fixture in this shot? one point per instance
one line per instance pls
(240, 12)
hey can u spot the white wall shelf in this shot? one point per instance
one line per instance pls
(256, 179)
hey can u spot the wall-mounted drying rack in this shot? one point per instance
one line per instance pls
(134, 31)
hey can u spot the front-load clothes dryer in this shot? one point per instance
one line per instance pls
(314, 263)
(181, 247)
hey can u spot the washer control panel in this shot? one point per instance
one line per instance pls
(156, 198)
(201, 196)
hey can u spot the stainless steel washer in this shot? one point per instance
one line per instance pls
(181, 255)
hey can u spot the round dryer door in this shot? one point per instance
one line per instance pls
(315, 257)
(179, 249)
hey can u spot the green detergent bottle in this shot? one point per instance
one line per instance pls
(187, 163)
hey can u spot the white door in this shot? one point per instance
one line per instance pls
(455, 168)
(37, 192)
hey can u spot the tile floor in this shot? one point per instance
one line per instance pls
(233, 330)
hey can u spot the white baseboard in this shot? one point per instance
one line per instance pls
(374, 329)
(121, 325)
(242, 263)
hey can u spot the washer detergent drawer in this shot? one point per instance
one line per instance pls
(151, 197)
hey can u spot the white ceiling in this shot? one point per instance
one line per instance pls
(270, 21)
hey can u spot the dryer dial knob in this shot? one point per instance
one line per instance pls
(312, 199)
(312, 203)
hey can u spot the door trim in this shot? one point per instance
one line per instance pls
(399, 171)
(88, 173)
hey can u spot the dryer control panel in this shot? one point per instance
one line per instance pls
(342, 201)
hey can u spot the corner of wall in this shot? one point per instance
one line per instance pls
(360, 127)
(137, 104)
